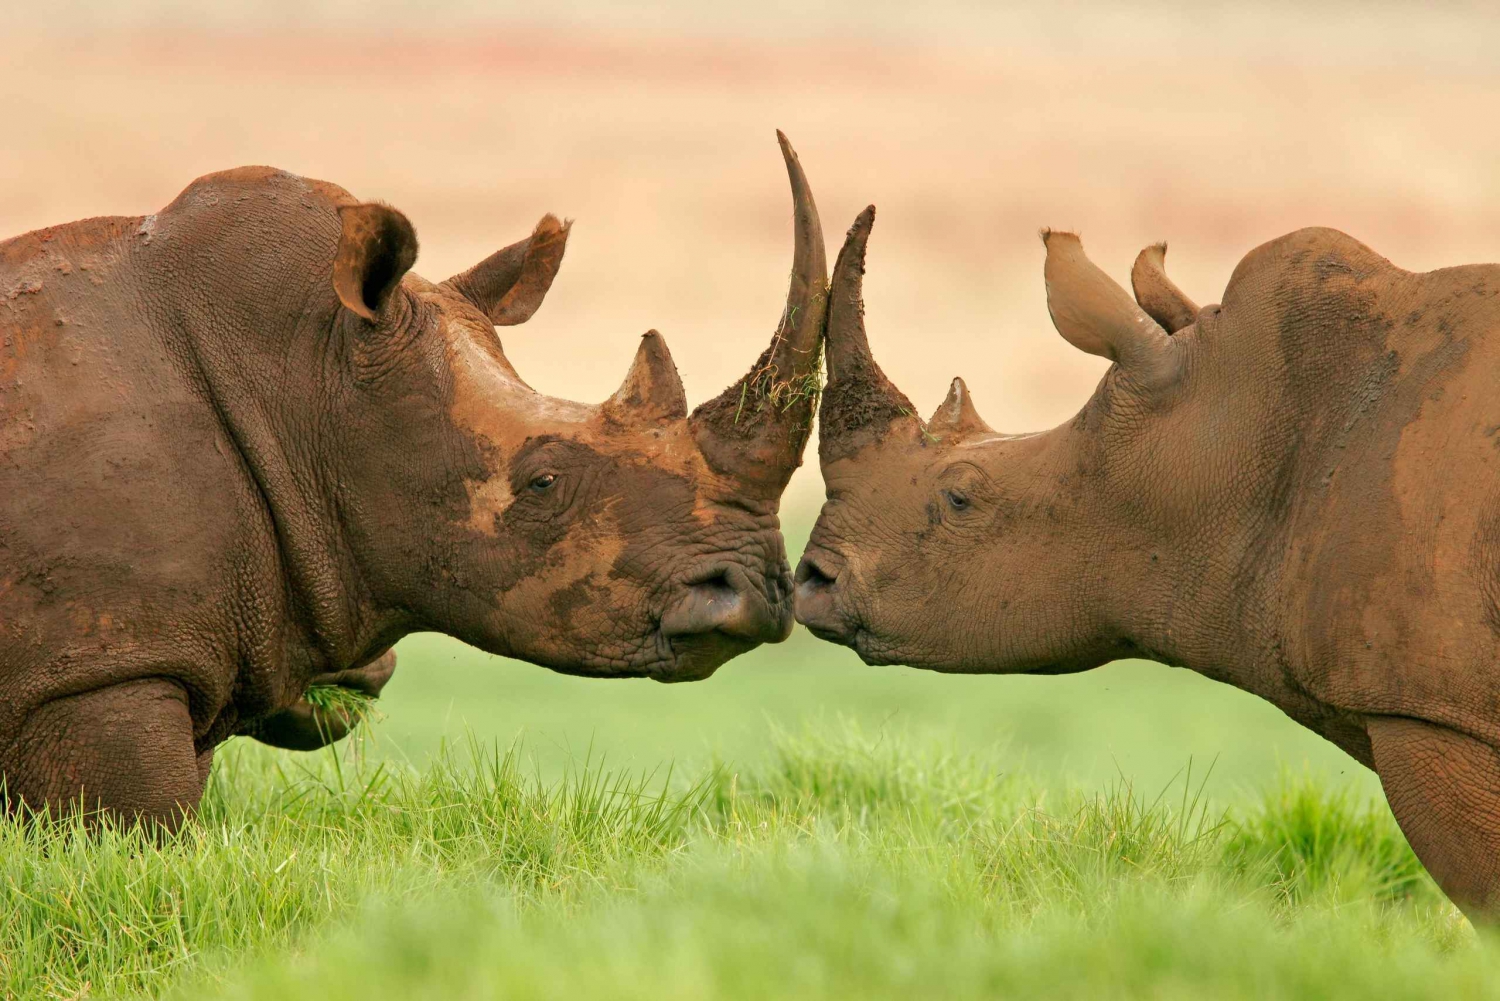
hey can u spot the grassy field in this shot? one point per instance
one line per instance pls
(798, 826)
(843, 863)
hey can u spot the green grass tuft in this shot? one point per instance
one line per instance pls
(348, 703)
(847, 864)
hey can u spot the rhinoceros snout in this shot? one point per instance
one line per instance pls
(724, 600)
(817, 599)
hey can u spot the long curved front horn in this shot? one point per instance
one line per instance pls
(859, 402)
(757, 428)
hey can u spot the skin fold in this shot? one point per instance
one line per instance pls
(1294, 492)
(244, 450)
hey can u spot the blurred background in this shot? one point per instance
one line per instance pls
(1215, 126)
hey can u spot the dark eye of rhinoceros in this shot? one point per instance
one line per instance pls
(543, 481)
(957, 500)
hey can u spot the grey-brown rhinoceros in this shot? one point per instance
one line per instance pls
(1297, 493)
(243, 449)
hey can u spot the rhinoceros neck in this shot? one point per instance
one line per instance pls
(254, 319)
(335, 622)
(1281, 462)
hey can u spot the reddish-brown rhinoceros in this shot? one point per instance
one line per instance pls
(1297, 493)
(243, 449)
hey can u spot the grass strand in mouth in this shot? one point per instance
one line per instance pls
(348, 704)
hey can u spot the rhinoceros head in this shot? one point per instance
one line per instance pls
(627, 538)
(944, 544)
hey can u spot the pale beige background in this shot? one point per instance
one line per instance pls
(970, 125)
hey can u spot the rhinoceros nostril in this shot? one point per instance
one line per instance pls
(714, 587)
(813, 575)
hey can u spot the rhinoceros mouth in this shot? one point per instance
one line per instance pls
(840, 634)
(696, 657)
(872, 650)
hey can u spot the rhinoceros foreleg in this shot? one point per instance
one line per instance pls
(125, 750)
(305, 727)
(1444, 788)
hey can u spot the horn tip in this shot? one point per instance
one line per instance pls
(787, 153)
(654, 343)
(857, 238)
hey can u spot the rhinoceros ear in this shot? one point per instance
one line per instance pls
(376, 248)
(1158, 294)
(510, 284)
(1096, 315)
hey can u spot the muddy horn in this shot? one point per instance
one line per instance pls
(756, 429)
(859, 402)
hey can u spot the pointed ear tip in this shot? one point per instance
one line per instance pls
(1154, 253)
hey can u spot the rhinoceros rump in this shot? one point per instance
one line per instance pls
(244, 450)
(1295, 492)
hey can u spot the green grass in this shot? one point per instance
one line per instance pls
(845, 863)
(347, 703)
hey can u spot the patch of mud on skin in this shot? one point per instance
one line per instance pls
(857, 412)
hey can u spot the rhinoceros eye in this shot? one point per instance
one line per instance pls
(543, 481)
(957, 500)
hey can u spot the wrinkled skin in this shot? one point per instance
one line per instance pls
(244, 450)
(1295, 492)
